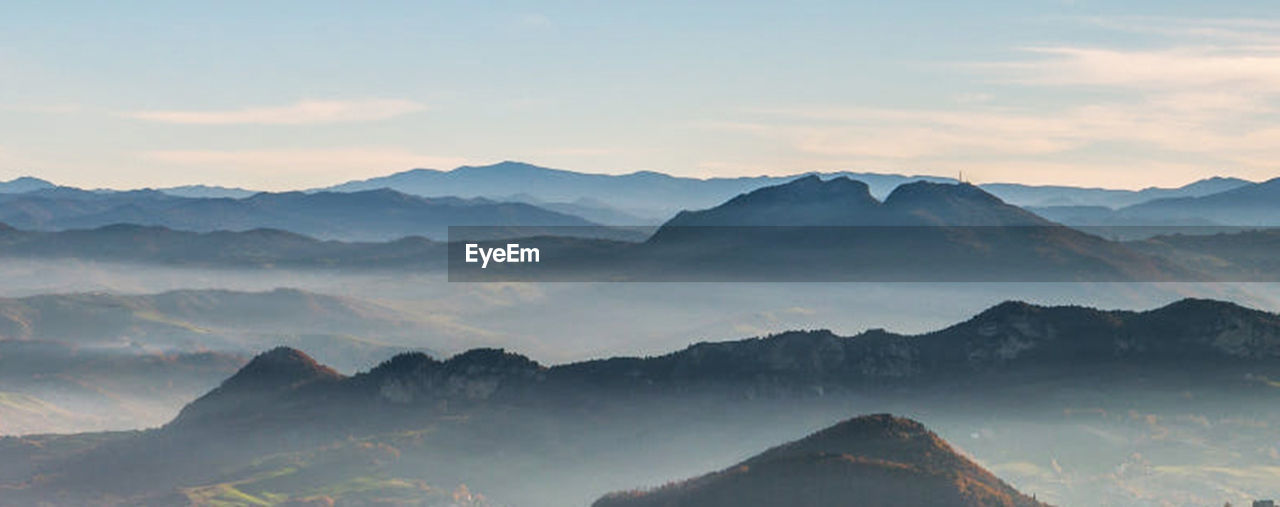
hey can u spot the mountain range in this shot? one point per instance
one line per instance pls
(424, 202)
(868, 460)
(801, 230)
(255, 248)
(285, 425)
(1252, 204)
(653, 195)
(374, 215)
(835, 230)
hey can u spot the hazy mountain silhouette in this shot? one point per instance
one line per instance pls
(1011, 338)
(1248, 255)
(840, 201)
(498, 418)
(23, 184)
(256, 248)
(590, 208)
(644, 193)
(1255, 204)
(1067, 196)
(836, 230)
(654, 194)
(208, 191)
(868, 460)
(1250, 204)
(375, 215)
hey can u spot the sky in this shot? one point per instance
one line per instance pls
(283, 95)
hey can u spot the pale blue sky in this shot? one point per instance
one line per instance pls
(278, 95)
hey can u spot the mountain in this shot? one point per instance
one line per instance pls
(651, 194)
(1011, 338)
(1249, 205)
(868, 460)
(806, 201)
(24, 184)
(286, 428)
(1247, 256)
(256, 248)
(376, 215)
(589, 208)
(811, 201)
(207, 191)
(1255, 204)
(811, 229)
(44, 208)
(1056, 196)
(644, 194)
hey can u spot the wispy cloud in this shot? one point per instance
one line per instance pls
(1121, 111)
(1246, 68)
(307, 112)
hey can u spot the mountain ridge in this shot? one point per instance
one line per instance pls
(877, 459)
(1011, 337)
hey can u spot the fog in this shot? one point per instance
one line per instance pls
(561, 322)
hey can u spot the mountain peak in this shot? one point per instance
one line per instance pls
(956, 204)
(877, 436)
(928, 190)
(878, 459)
(277, 368)
(23, 184)
(507, 166)
(804, 201)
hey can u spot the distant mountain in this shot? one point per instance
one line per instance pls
(207, 191)
(644, 194)
(256, 248)
(1066, 196)
(658, 195)
(1255, 204)
(835, 230)
(869, 460)
(840, 201)
(24, 184)
(375, 215)
(589, 208)
(1251, 204)
(1248, 256)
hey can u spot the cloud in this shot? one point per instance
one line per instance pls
(307, 112)
(1150, 112)
(1248, 68)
